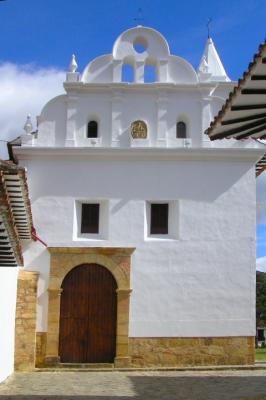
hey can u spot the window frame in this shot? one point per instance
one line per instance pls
(97, 129)
(83, 225)
(103, 230)
(173, 221)
(184, 124)
(159, 223)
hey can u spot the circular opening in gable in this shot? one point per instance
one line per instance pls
(140, 44)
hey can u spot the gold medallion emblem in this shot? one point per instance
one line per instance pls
(139, 130)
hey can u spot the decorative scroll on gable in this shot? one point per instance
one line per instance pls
(141, 48)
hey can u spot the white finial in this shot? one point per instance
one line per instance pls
(28, 127)
(73, 66)
(211, 64)
(204, 67)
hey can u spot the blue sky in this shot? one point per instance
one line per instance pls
(261, 239)
(47, 32)
(37, 38)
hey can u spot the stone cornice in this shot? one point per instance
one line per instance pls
(107, 251)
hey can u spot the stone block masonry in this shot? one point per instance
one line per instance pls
(63, 260)
(186, 352)
(25, 338)
(41, 338)
(31, 346)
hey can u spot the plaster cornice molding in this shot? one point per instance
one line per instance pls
(78, 87)
(166, 154)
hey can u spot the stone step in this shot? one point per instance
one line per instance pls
(110, 368)
(86, 365)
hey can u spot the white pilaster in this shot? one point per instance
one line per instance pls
(163, 71)
(117, 70)
(116, 118)
(139, 72)
(206, 116)
(162, 104)
(71, 121)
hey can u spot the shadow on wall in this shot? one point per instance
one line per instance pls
(126, 387)
(36, 256)
(184, 180)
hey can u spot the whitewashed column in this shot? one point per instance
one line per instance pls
(206, 116)
(116, 118)
(139, 72)
(162, 106)
(163, 71)
(117, 70)
(71, 120)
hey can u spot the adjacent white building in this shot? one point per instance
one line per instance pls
(15, 227)
(124, 181)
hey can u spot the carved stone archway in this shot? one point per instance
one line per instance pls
(63, 260)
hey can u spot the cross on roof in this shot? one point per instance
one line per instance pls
(208, 26)
(139, 18)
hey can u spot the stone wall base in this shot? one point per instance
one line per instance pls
(172, 352)
(41, 338)
(188, 352)
(25, 336)
(122, 362)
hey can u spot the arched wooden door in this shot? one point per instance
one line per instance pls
(88, 316)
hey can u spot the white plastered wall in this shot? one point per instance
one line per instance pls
(8, 290)
(115, 113)
(201, 282)
(98, 94)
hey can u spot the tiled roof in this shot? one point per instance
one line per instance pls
(261, 165)
(244, 113)
(15, 213)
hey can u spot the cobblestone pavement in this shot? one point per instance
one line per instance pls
(140, 385)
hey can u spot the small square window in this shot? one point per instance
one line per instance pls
(91, 219)
(159, 219)
(90, 214)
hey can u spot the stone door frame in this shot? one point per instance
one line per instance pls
(118, 261)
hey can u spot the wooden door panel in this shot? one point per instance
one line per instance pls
(73, 340)
(102, 317)
(88, 315)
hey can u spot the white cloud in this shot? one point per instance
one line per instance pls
(24, 89)
(261, 264)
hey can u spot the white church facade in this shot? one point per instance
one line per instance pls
(149, 226)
